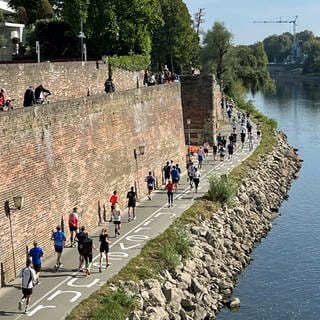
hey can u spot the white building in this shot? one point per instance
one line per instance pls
(10, 34)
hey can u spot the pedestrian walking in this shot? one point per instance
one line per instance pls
(191, 171)
(150, 180)
(80, 237)
(88, 245)
(36, 254)
(169, 188)
(73, 225)
(196, 179)
(28, 276)
(114, 199)
(206, 149)
(132, 199)
(250, 138)
(116, 214)
(104, 247)
(59, 239)
(258, 131)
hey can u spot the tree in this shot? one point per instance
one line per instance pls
(312, 60)
(175, 42)
(74, 12)
(44, 10)
(217, 43)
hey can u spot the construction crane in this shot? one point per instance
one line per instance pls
(294, 43)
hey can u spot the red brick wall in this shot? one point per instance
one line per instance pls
(65, 80)
(75, 153)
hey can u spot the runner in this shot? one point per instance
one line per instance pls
(104, 247)
(80, 237)
(73, 225)
(169, 188)
(215, 151)
(196, 179)
(116, 214)
(59, 239)
(200, 157)
(150, 180)
(191, 171)
(36, 254)
(88, 245)
(114, 199)
(28, 279)
(175, 177)
(132, 199)
(166, 171)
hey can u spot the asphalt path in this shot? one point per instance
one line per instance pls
(60, 291)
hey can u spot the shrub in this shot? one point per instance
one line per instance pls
(130, 63)
(115, 306)
(220, 189)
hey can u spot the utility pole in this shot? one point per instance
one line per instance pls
(198, 19)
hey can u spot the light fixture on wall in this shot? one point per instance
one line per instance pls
(17, 202)
(139, 152)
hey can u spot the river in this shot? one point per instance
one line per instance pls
(283, 281)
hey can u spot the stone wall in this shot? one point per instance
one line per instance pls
(201, 102)
(75, 153)
(221, 246)
(66, 80)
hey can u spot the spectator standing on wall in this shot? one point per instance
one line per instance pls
(29, 98)
(109, 86)
(2, 98)
(73, 225)
(36, 254)
(28, 279)
(39, 94)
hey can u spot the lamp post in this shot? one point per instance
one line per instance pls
(18, 203)
(136, 153)
(82, 36)
(189, 138)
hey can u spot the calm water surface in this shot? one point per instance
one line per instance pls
(283, 281)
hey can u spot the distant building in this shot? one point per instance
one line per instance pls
(11, 34)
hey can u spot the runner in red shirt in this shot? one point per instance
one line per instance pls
(114, 199)
(169, 188)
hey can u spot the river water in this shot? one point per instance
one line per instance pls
(283, 281)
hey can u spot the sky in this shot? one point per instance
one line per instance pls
(238, 17)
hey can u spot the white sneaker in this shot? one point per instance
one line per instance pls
(27, 309)
(20, 304)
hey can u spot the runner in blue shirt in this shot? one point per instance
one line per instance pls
(59, 238)
(36, 254)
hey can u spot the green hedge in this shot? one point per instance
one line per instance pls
(130, 63)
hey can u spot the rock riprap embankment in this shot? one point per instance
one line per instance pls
(221, 246)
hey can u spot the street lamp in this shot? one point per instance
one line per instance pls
(189, 138)
(82, 36)
(18, 203)
(139, 152)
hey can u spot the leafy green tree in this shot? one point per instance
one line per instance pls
(75, 11)
(44, 10)
(217, 43)
(56, 39)
(175, 42)
(29, 11)
(312, 61)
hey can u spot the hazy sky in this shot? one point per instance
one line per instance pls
(238, 16)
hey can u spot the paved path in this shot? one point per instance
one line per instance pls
(59, 292)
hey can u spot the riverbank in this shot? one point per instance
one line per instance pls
(221, 245)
